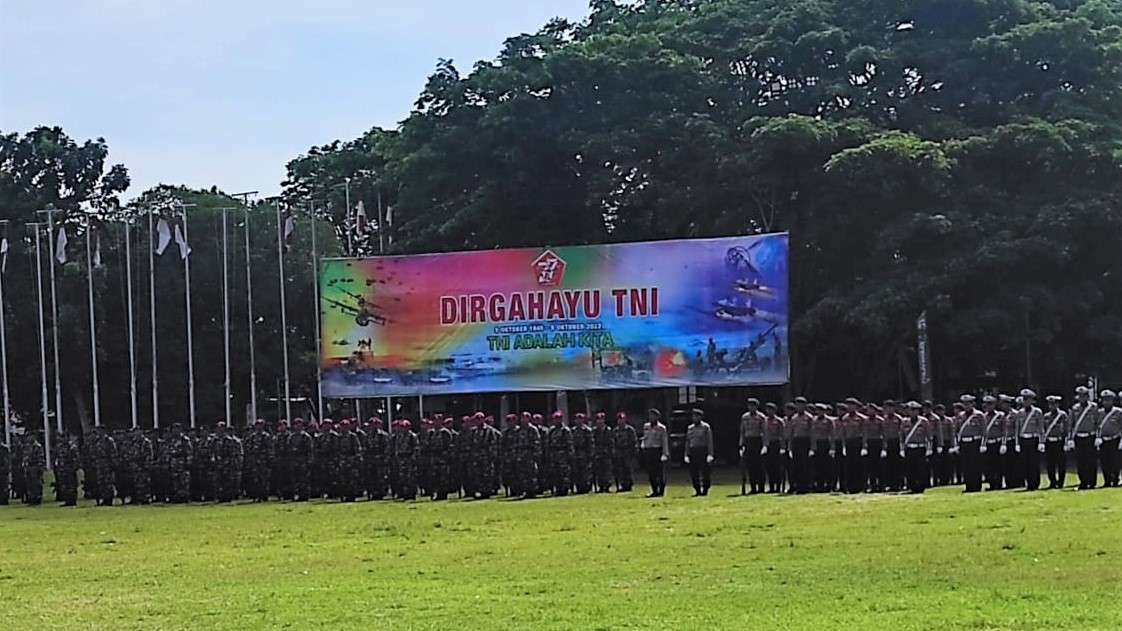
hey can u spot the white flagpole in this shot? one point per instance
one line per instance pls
(249, 311)
(283, 309)
(315, 289)
(190, 340)
(54, 318)
(42, 342)
(152, 320)
(4, 348)
(347, 222)
(132, 340)
(93, 326)
(226, 312)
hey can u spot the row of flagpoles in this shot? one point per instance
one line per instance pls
(161, 233)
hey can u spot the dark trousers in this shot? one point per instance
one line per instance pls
(893, 466)
(1108, 457)
(971, 463)
(773, 462)
(823, 466)
(1030, 458)
(915, 464)
(837, 482)
(1086, 461)
(800, 465)
(1014, 467)
(754, 463)
(699, 469)
(854, 471)
(874, 466)
(656, 470)
(1056, 459)
(994, 468)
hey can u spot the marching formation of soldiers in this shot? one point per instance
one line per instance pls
(856, 447)
(852, 447)
(344, 461)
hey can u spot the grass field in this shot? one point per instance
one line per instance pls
(1009, 560)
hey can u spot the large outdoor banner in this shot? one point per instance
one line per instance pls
(629, 315)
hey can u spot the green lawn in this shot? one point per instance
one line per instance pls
(1010, 560)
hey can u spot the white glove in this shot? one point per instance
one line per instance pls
(954, 450)
(663, 459)
(1069, 445)
(983, 449)
(1017, 448)
(1120, 445)
(811, 453)
(709, 459)
(1004, 450)
(883, 453)
(901, 453)
(763, 452)
(939, 450)
(1098, 442)
(864, 452)
(831, 453)
(782, 451)
(1040, 448)
(928, 453)
(741, 452)
(687, 459)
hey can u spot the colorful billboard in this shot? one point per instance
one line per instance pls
(628, 315)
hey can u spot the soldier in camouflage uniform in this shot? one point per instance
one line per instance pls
(180, 457)
(300, 454)
(485, 458)
(105, 459)
(142, 458)
(17, 467)
(602, 454)
(34, 463)
(349, 454)
(5, 473)
(160, 471)
(123, 467)
(464, 452)
(229, 459)
(202, 466)
(507, 456)
(258, 469)
(625, 448)
(525, 446)
(281, 473)
(545, 472)
(377, 460)
(444, 458)
(560, 455)
(583, 453)
(425, 458)
(325, 460)
(404, 449)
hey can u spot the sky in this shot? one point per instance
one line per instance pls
(213, 92)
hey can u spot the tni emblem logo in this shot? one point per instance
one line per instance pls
(550, 269)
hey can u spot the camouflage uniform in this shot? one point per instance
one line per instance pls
(202, 466)
(89, 471)
(485, 460)
(545, 472)
(281, 473)
(229, 459)
(348, 473)
(602, 457)
(527, 448)
(377, 460)
(17, 467)
(123, 466)
(404, 447)
(625, 447)
(507, 455)
(160, 472)
(180, 459)
(105, 462)
(583, 453)
(425, 458)
(325, 461)
(67, 458)
(300, 454)
(34, 462)
(258, 468)
(560, 442)
(142, 461)
(443, 448)
(5, 474)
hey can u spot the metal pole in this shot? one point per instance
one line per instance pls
(54, 319)
(42, 343)
(93, 326)
(152, 320)
(283, 310)
(226, 313)
(190, 340)
(347, 220)
(4, 351)
(249, 311)
(381, 226)
(420, 406)
(315, 289)
(132, 341)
